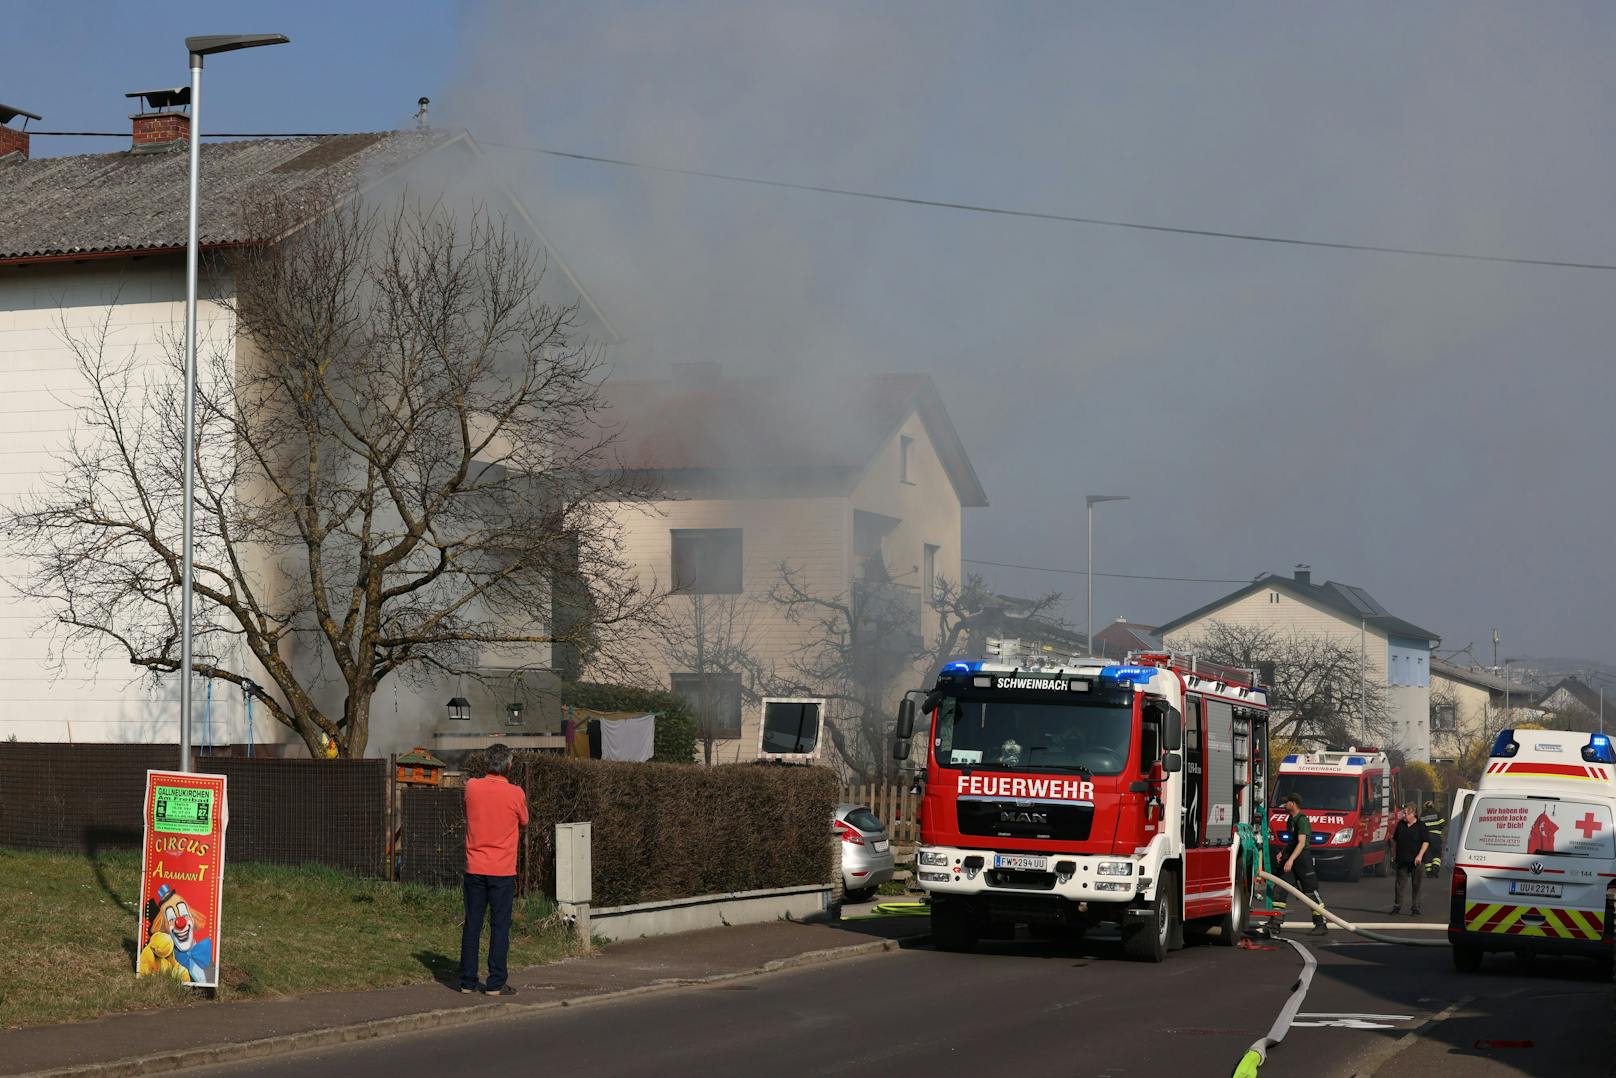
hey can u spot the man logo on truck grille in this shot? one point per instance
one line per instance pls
(1024, 817)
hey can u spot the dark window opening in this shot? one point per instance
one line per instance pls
(707, 561)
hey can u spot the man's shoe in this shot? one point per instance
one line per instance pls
(463, 988)
(502, 990)
(1415, 912)
(1394, 911)
(1319, 930)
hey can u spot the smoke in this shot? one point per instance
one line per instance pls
(1432, 431)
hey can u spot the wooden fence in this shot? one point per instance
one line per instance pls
(894, 805)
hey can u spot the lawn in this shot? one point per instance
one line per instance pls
(70, 932)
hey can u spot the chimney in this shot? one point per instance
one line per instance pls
(1304, 574)
(14, 140)
(160, 125)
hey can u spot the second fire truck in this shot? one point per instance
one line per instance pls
(1350, 798)
(1058, 798)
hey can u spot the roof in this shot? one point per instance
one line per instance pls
(1121, 637)
(781, 425)
(1479, 678)
(1351, 603)
(1586, 698)
(420, 756)
(126, 201)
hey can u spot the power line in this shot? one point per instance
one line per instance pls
(1117, 576)
(1103, 222)
(963, 207)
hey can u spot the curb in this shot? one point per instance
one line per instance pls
(330, 1036)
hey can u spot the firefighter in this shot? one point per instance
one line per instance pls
(1298, 858)
(1434, 823)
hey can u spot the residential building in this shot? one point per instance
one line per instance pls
(100, 237)
(856, 486)
(1573, 704)
(1393, 653)
(1123, 637)
(1470, 705)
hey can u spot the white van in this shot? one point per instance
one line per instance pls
(1533, 849)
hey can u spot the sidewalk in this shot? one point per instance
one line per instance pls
(135, 1044)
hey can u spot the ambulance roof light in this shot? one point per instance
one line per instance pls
(1505, 744)
(1598, 750)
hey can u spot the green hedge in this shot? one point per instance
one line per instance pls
(663, 831)
(675, 725)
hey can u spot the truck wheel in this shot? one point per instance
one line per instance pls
(1354, 866)
(1147, 939)
(1233, 924)
(951, 927)
(1466, 959)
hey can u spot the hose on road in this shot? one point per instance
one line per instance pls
(1378, 937)
(1257, 1054)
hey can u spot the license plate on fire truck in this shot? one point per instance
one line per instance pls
(1021, 862)
(1532, 887)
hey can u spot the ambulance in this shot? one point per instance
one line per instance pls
(1349, 798)
(1532, 850)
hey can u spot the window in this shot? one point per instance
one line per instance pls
(707, 561)
(1444, 717)
(906, 446)
(928, 572)
(716, 700)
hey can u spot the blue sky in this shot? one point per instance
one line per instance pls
(1438, 433)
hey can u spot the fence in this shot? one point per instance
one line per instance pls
(432, 836)
(86, 798)
(894, 805)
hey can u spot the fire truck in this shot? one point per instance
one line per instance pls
(1063, 797)
(1351, 799)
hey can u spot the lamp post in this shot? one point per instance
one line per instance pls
(198, 47)
(1088, 619)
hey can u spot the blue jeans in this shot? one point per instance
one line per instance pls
(491, 896)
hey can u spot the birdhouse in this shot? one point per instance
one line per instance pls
(420, 768)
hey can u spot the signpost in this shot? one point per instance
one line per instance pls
(182, 876)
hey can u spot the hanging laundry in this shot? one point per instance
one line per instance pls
(629, 738)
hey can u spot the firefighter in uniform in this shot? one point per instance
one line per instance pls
(1298, 858)
(1434, 823)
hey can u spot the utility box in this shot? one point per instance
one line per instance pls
(574, 872)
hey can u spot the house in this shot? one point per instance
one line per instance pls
(1470, 705)
(1393, 653)
(93, 236)
(1123, 637)
(857, 485)
(1574, 704)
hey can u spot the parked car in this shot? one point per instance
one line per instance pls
(866, 850)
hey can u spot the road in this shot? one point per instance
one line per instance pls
(1030, 1009)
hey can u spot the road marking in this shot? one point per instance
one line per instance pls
(1390, 1051)
(1351, 1021)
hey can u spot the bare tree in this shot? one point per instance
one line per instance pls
(968, 610)
(860, 643)
(1317, 688)
(399, 474)
(715, 638)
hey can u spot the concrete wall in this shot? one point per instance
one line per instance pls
(707, 911)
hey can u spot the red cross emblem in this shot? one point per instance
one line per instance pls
(1588, 825)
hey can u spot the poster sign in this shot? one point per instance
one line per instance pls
(1540, 826)
(181, 876)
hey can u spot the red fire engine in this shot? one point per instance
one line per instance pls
(1058, 798)
(1350, 798)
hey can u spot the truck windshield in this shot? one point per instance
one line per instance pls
(1014, 735)
(1329, 793)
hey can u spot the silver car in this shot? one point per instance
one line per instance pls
(866, 850)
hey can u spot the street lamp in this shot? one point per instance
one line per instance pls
(198, 47)
(1088, 621)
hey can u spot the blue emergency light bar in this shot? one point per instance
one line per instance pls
(1357, 761)
(1598, 750)
(1129, 675)
(1292, 758)
(1505, 744)
(962, 667)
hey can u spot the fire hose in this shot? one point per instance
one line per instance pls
(1257, 1054)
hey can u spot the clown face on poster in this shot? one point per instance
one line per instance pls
(181, 877)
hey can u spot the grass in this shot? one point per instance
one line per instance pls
(71, 930)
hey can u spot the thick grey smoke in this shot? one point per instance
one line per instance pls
(1437, 432)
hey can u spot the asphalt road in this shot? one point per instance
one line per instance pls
(1026, 1008)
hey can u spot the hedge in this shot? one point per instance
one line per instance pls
(664, 831)
(675, 725)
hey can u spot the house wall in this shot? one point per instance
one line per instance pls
(1409, 706)
(1472, 713)
(52, 693)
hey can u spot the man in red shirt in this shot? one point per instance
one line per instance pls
(496, 812)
